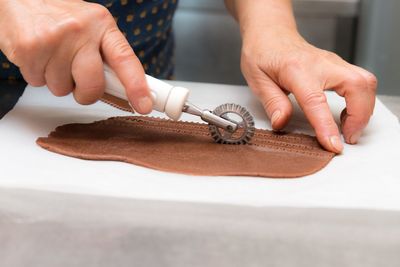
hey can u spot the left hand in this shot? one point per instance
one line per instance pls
(280, 61)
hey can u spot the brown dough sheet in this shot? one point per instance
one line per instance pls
(117, 102)
(186, 147)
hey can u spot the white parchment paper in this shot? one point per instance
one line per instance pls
(364, 176)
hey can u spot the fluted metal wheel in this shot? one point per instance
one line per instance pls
(239, 115)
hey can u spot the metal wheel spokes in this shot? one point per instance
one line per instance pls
(236, 114)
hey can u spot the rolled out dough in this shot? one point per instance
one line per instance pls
(186, 147)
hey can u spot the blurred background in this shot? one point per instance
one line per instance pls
(364, 32)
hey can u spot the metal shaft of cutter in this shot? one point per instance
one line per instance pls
(210, 117)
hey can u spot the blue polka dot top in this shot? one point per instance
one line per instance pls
(147, 25)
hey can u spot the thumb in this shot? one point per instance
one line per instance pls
(275, 102)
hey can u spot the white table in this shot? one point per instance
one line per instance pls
(56, 210)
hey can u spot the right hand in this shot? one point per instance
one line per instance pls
(63, 43)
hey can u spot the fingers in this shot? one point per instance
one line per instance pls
(31, 49)
(358, 87)
(34, 75)
(312, 100)
(274, 99)
(88, 74)
(313, 103)
(119, 55)
(35, 56)
(58, 74)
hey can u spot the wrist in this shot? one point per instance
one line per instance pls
(271, 37)
(264, 17)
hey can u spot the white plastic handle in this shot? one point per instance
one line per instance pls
(166, 98)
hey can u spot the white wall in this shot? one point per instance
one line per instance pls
(208, 40)
(378, 47)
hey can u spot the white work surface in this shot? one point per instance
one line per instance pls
(364, 176)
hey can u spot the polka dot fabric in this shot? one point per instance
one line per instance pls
(147, 25)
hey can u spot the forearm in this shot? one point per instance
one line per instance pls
(257, 16)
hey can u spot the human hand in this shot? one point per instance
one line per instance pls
(62, 44)
(280, 61)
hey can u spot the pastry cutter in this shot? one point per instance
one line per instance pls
(228, 123)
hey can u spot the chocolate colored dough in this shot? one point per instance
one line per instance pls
(186, 147)
(117, 102)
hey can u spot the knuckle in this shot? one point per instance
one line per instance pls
(30, 43)
(37, 82)
(100, 12)
(34, 81)
(331, 56)
(89, 94)
(360, 120)
(32, 78)
(46, 35)
(248, 66)
(329, 124)
(80, 100)
(372, 81)
(94, 89)
(50, 37)
(84, 100)
(271, 103)
(80, 23)
(257, 90)
(246, 58)
(252, 59)
(357, 80)
(25, 46)
(137, 88)
(72, 25)
(314, 99)
(123, 51)
(59, 90)
(291, 64)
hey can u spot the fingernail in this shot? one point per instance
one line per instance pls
(275, 117)
(144, 104)
(354, 138)
(336, 143)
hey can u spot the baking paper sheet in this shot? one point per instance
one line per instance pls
(364, 176)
